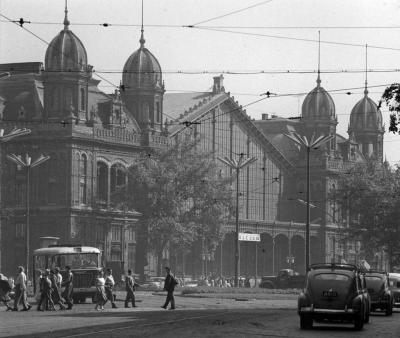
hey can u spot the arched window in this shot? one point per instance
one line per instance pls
(83, 179)
(83, 99)
(102, 184)
(118, 179)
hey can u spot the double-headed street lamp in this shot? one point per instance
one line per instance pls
(5, 138)
(27, 164)
(313, 143)
(237, 165)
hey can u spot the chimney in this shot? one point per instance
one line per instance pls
(264, 117)
(218, 86)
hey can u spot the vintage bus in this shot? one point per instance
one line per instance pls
(84, 261)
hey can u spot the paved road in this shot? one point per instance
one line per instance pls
(193, 318)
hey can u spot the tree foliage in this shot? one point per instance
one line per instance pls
(371, 194)
(391, 96)
(181, 196)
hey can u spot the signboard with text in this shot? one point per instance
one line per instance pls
(243, 236)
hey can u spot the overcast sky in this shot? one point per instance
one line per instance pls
(221, 46)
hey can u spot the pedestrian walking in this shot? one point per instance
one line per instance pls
(5, 289)
(169, 286)
(130, 287)
(45, 302)
(101, 296)
(69, 286)
(55, 290)
(109, 285)
(20, 291)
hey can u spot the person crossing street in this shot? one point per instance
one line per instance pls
(109, 285)
(130, 286)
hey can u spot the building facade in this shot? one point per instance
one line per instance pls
(93, 137)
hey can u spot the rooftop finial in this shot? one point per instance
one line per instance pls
(66, 21)
(366, 70)
(142, 40)
(319, 58)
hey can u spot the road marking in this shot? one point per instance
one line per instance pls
(136, 326)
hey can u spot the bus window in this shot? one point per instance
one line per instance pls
(40, 262)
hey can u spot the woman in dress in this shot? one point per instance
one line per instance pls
(101, 296)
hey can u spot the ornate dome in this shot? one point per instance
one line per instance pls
(66, 52)
(142, 69)
(365, 115)
(318, 104)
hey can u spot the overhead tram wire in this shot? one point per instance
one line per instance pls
(294, 39)
(238, 72)
(231, 13)
(110, 24)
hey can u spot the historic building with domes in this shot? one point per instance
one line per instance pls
(93, 137)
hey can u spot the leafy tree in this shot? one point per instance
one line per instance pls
(370, 193)
(391, 96)
(181, 196)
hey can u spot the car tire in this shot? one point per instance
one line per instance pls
(306, 322)
(359, 322)
(366, 318)
(389, 310)
(268, 285)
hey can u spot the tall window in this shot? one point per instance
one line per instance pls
(83, 179)
(20, 230)
(118, 179)
(115, 233)
(102, 183)
(158, 112)
(83, 99)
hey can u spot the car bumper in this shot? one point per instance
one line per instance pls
(308, 310)
(380, 304)
(320, 314)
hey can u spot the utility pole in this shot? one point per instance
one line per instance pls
(313, 143)
(237, 165)
(27, 164)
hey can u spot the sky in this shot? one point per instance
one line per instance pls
(270, 46)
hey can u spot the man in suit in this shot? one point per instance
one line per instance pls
(169, 286)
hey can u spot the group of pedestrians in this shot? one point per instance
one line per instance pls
(50, 283)
(51, 294)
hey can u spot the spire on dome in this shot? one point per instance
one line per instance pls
(66, 21)
(142, 40)
(319, 59)
(366, 71)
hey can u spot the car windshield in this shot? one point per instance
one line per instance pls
(75, 261)
(374, 282)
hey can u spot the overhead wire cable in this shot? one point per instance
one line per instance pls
(294, 39)
(231, 13)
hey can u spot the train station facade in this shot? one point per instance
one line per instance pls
(92, 138)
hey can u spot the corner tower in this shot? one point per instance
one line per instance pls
(142, 87)
(366, 125)
(318, 111)
(66, 76)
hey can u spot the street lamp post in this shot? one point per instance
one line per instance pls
(237, 165)
(303, 141)
(5, 138)
(27, 164)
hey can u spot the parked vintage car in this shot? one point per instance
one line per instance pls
(334, 294)
(378, 289)
(286, 278)
(394, 285)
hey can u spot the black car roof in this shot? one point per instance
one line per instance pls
(333, 266)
